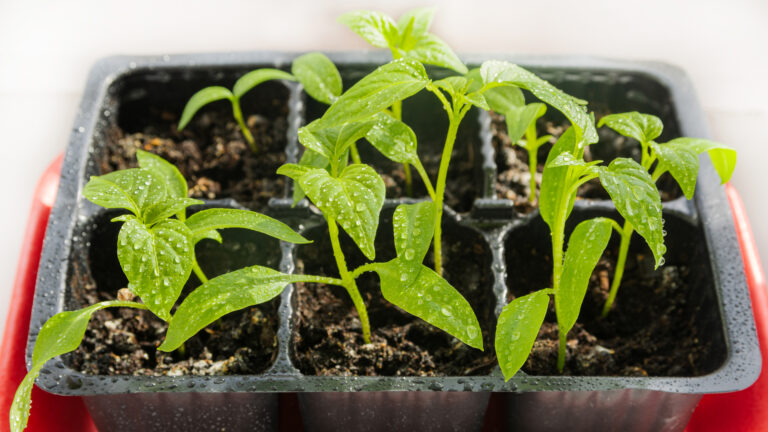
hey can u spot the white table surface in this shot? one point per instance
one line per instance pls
(47, 47)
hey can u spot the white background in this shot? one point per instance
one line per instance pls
(47, 47)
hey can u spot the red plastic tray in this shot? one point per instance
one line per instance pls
(740, 411)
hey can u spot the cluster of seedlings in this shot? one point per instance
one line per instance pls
(155, 247)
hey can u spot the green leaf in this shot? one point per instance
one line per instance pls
(642, 127)
(420, 291)
(157, 261)
(586, 245)
(354, 199)
(637, 200)
(319, 76)
(413, 226)
(132, 189)
(221, 295)
(220, 218)
(377, 91)
(430, 49)
(59, 335)
(723, 157)
(377, 29)
(419, 20)
(682, 162)
(333, 141)
(175, 183)
(166, 208)
(253, 78)
(201, 99)
(503, 99)
(313, 159)
(478, 100)
(315, 136)
(454, 85)
(212, 235)
(516, 330)
(506, 73)
(554, 179)
(518, 119)
(393, 138)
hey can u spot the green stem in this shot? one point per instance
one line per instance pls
(657, 172)
(425, 178)
(363, 269)
(558, 240)
(561, 351)
(530, 145)
(348, 282)
(238, 114)
(397, 112)
(198, 271)
(450, 139)
(354, 153)
(626, 236)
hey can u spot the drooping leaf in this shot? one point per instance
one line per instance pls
(430, 49)
(642, 127)
(518, 119)
(221, 295)
(212, 235)
(723, 157)
(201, 99)
(132, 189)
(59, 335)
(377, 91)
(516, 330)
(420, 291)
(637, 199)
(413, 226)
(585, 247)
(554, 180)
(393, 138)
(354, 199)
(157, 261)
(166, 208)
(419, 20)
(681, 162)
(376, 28)
(319, 76)
(506, 73)
(175, 183)
(221, 218)
(503, 99)
(253, 78)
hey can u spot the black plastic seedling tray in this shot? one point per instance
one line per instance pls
(703, 229)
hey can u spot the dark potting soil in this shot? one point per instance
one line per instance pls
(329, 340)
(650, 330)
(211, 152)
(513, 174)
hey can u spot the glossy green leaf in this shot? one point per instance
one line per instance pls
(516, 330)
(393, 138)
(420, 291)
(518, 119)
(201, 99)
(313, 159)
(637, 200)
(319, 76)
(454, 85)
(505, 73)
(430, 49)
(585, 247)
(723, 157)
(418, 20)
(175, 183)
(253, 78)
(157, 261)
(132, 189)
(681, 162)
(504, 99)
(221, 295)
(354, 199)
(315, 137)
(376, 28)
(220, 218)
(642, 127)
(413, 226)
(478, 100)
(62, 333)
(554, 181)
(333, 141)
(377, 91)
(166, 208)
(212, 235)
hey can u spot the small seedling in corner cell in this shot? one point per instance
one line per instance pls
(410, 38)
(679, 157)
(216, 93)
(156, 251)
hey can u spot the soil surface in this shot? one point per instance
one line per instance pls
(513, 175)
(211, 152)
(329, 340)
(650, 330)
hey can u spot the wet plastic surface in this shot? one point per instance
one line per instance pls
(598, 80)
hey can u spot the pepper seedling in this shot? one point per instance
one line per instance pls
(679, 157)
(156, 251)
(242, 86)
(410, 38)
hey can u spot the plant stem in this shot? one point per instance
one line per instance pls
(353, 152)
(626, 235)
(533, 149)
(348, 282)
(558, 239)
(425, 178)
(238, 114)
(198, 271)
(450, 139)
(397, 112)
